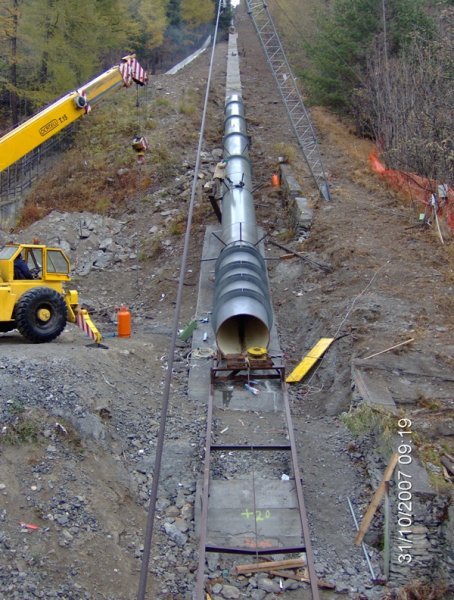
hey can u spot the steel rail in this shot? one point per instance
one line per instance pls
(299, 493)
(200, 583)
(210, 447)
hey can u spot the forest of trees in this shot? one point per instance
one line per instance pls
(48, 47)
(388, 64)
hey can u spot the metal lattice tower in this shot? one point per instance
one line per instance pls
(286, 82)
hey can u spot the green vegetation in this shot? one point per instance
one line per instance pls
(430, 456)
(100, 171)
(190, 102)
(287, 152)
(387, 66)
(24, 428)
(365, 419)
(195, 12)
(16, 408)
(48, 47)
(347, 34)
(150, 248)
(27, 426)
(178, 225)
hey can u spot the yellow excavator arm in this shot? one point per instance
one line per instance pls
(48, 122)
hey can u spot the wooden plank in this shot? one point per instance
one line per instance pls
(390, 348)
(309, 360)
(291, 575)
(449, 465)
(376, 499)
(326, 585)
(293, 563)
(321, 266)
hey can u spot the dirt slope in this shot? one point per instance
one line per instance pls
(92, 415)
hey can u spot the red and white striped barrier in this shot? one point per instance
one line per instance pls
(84, 322)
(131, 70)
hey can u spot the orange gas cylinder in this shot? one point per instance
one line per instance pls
(124, 322)
(275, 180)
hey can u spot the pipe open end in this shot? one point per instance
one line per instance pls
(236, 334)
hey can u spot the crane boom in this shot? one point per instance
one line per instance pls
(52, 119)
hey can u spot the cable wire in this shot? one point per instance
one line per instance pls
(166, 393)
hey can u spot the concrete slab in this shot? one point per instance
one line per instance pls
(254, 428)
(304, 213)
(420, 483)
(248, 514)
(233, 80)
(268, 399)
(289, 182)
(239, 494)
(203, 350)
(373, 388)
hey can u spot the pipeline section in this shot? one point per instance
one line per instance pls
(242, 313)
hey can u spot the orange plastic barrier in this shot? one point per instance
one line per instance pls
(414, 187)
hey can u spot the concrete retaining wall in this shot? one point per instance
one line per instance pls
(301, 210)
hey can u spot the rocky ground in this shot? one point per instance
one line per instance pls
(79, 424)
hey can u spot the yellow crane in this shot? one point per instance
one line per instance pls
(29, 135)
(33, 298)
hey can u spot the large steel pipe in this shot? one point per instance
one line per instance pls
(242, 314)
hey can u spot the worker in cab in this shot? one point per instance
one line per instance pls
(21, 270)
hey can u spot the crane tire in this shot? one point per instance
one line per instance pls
(41, 315)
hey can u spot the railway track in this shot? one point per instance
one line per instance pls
(251, 499)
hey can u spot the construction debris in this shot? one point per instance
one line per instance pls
(373, 389)
(325, 585)
(390, 348)
(321, 266)
(376, 499)
(293, 563)
(448, 462)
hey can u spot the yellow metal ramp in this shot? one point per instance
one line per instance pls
(309, 360)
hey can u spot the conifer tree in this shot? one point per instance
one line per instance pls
(9, 19)
(174, 13)
(197, 12)
(48, 47)
(338, 53)
(152, 19)
(345, 36)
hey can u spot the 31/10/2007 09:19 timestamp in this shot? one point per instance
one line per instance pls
(404, 485)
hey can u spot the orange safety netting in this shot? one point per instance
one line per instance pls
(415, 187)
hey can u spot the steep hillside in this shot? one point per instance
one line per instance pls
(79, 424)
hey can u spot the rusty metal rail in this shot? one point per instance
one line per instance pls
(231, 373)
